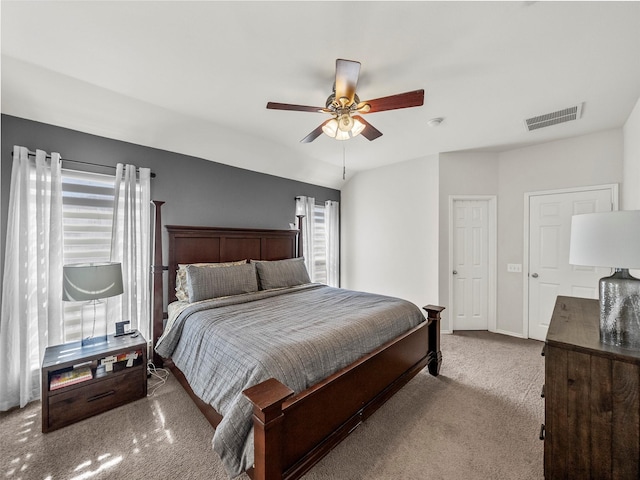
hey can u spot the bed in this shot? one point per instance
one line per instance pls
(293, 423)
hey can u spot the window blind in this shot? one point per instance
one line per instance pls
(87, 215)
(319, 244)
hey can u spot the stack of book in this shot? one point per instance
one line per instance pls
(70, 377)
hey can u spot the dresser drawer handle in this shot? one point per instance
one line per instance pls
(542, 392)
(102, 395)
(542, 432)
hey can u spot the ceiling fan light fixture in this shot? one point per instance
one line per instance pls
(358, 127)
(330, 128)
(334, 128)
(345, 122)
(343, 135)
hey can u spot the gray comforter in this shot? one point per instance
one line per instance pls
(298, 335)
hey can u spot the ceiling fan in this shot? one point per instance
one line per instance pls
(345, 106)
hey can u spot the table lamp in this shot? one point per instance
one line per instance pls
(91, 282)
(612, 239)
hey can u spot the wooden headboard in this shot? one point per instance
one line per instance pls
(214, 244)
(195, 244)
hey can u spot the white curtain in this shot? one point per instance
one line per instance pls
(31, 316)
(305, 206)
(332, 241)
(130, 246)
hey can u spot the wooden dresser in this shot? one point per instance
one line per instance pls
(592, 399)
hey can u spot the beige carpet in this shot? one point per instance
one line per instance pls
(478, 420)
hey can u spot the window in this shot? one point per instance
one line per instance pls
(56, 218)
(87, 216)
(319, 245)
(320, 239)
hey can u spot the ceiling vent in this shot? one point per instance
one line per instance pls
(566, 115)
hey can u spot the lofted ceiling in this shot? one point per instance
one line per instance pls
(195, 77)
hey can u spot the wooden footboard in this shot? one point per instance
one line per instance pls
(292, 433)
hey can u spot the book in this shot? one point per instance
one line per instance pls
(117, 362)
(70, 377)
(125, 356)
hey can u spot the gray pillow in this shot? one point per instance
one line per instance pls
(282, 273)
(204, 283)
(181, 275)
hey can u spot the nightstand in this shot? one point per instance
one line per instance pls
(115, 373)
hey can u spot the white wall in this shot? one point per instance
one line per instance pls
(593, 159)
(389, 224)
(395, 218)
(461, 173)
(631, 168)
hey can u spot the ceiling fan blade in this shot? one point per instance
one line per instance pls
(347, 72)
(296, 108)
(393, 102)
(315, 133)
(370, 132)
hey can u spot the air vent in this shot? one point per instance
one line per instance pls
(566, 115)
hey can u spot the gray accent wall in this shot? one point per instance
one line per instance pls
(196, 191)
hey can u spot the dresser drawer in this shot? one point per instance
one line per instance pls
(83, 401)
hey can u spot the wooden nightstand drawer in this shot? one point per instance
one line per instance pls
(78, 403)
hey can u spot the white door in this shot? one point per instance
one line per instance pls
(470, 244)
(550, 273)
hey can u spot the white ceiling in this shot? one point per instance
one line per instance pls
(194, 77)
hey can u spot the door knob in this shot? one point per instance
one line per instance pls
(455, 272)
(534, 275)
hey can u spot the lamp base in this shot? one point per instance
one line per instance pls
(94, 327)
(620, 310)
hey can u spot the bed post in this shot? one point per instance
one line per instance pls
(158, 286)
(267, 398)
(434, 357)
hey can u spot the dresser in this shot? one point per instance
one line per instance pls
(592, 398)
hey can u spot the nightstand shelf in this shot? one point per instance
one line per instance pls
(104, 390)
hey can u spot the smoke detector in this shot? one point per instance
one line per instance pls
(548, 119)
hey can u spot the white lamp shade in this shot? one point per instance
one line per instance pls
(91, 281)
(330, 128)
(358, 127)
(607, 239)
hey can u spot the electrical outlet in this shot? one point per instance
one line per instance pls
(514, 267)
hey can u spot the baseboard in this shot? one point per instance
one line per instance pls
(501, 332)
(511, 334)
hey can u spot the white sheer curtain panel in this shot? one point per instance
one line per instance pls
(332, 243)
(130, 245)
(305, 206)
(31, 316)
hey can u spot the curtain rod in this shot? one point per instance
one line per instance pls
(33, 154)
